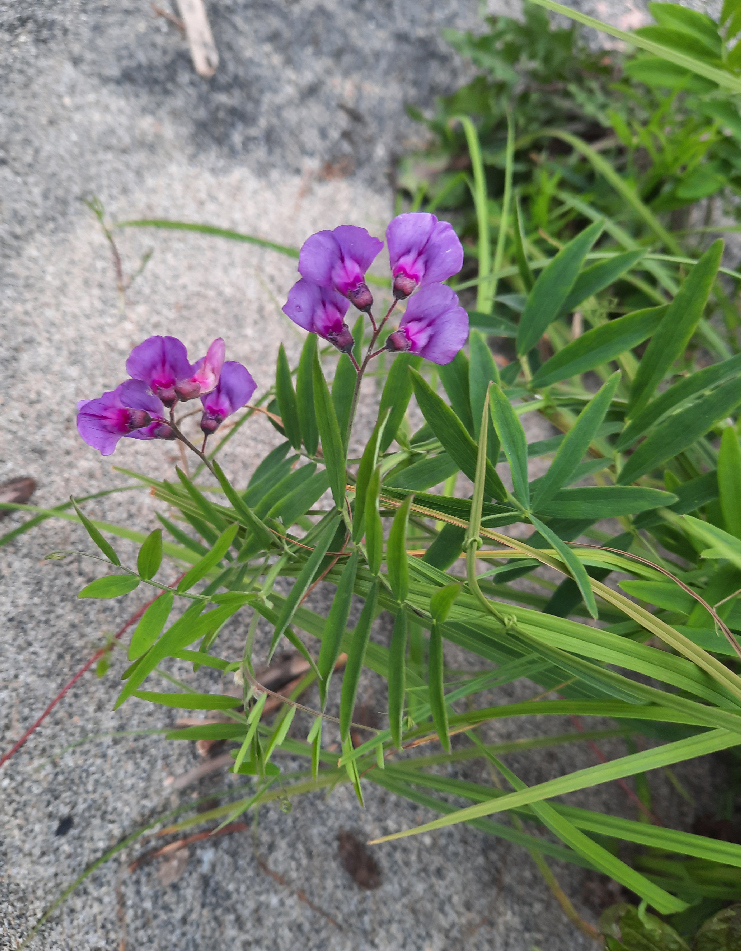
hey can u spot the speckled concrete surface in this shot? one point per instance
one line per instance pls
(100, 98)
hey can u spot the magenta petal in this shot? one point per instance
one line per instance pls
(319, 254)
(207, 370)
(358, 245)
(443, 254)
(408, 234)
(136, 395)
(95, 431)
(319, 310)
(160, 362)
(435, 324)
(234, 390)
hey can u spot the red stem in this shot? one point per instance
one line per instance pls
(96, 656)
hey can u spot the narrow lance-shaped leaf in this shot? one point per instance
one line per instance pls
(397, 675)
(599, 346)
(286, 397)
(678, 432)
(514, 442)
(526, 275)
(373, 523)
(440, 605)
(483, 371)
(151, 624)
(552, 288)
(355, 659)
(454, 378)
(397, 391)
(150, 555)
(93, 532)
(673, 334)
(243, 512)
(333, 445)
(396, 552)
(343, 386)
(729, 481)
(305, 394)
(577, 442)
(113, 586)
(596, 278)
(366, 468)
(452, 434)
(209, 561)
(212, 517)
(303, 581)
(335, 625)
(576, 568)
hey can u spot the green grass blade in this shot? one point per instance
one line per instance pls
(729, 481)
(397, 391)
(305, 395)
(286, 397)
(151, 624)
(514, 442)
(397, 675)
(333, 445)
(355, 659)
(484, 296)
(93, 532)
(335, 625)
(396, 552)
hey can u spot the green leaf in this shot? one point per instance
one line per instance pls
(492, 324)
(333, 445)
(209, 561)
(596, 278)
(454, 378)
(303, 581)
(436, 682)
(397, 391)
(424, 474)
(286, 397)
(190, 701)
(728, 546)
(514, 442)
(343, 387)
(268, 465)
(209, 512)
(113, 586)
(526, 275)
(210, 731)
(553, 286)
(242, 511)
(442, 601)
(576, 568)
(335, 625)
(292, 506)
(675, 395)
(725, 79)
(281, 490)
(676, 328)
(453, 436)
(599, 346)
(305, 394)
(700, 25)
(373, 523)
(367, 467)
(150, 555)
(575, 445)
(447, 547)
(151, 624)
(483, 371)
(93, 532)
(211, 230)
(729, 481)
(680, 431)
(396, 552)
(663, 594)
(609, 501)
(355, 658)
(397, 675)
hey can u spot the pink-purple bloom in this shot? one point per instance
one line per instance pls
(422, 250)
(232, 392)
(206, 372)
(434, 325)
(162, 363)
(339, 259)
(320, 310)
(129, 410)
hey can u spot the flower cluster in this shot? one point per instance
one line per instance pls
(161, 376)
(423, 252)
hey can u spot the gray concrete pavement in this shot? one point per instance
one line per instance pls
(296, 132)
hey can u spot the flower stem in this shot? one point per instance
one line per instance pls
(370, 353)
(184, 439)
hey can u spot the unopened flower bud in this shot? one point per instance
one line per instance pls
(361, 297)
(137, 419)
(343, 339)
(166, 393)
(210, 423)
(397, 342)
(188, 389)
(403, 286)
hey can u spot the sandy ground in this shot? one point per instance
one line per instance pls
(296, 132)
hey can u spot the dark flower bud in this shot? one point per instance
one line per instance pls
(164, 431)
(343, 339)
(361, 297)
(397, 342)
(210, 422)
(137, 419)
(403, 286)
(188, 389)
(166, 393)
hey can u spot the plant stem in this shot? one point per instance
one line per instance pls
(184, 439)
(370, 353)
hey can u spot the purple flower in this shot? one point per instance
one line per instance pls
(161, 363)
(129, 410)
(320, 310)
(422, 250)
(339, 259)
(234, 389)
(206, 372)
(434, 325)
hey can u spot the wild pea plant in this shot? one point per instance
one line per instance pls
(645, 406)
